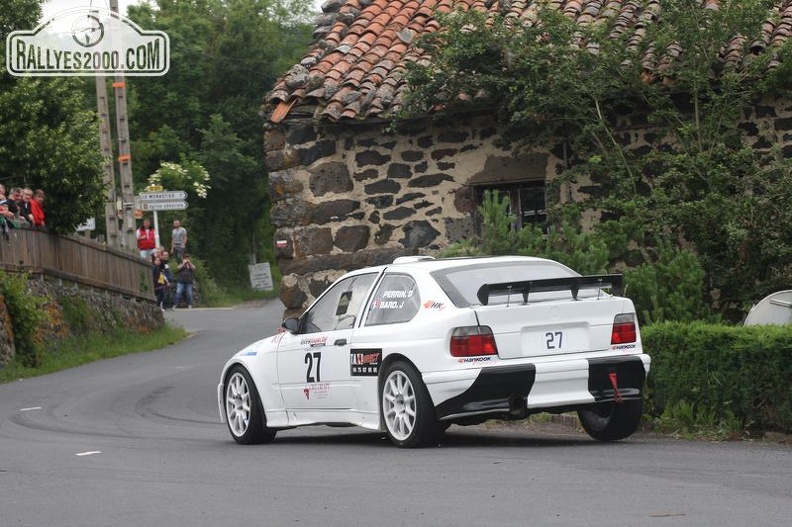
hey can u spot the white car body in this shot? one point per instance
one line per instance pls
(555, 333)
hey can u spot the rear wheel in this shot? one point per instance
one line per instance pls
(244, 413)
(611, 421)
(407, 409)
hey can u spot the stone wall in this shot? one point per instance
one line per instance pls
(345, 197)
(349, 197)
(105, 310)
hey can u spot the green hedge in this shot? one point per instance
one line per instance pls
(721, 373)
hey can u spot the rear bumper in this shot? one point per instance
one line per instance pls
(537, 387)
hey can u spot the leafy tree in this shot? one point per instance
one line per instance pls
(49, 135)
(225, 55)
(189, 176)
(699, 184)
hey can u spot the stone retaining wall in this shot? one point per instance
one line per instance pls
(105, 310)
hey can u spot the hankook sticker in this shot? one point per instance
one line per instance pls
(467, 360)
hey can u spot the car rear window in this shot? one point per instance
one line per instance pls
(462, 283)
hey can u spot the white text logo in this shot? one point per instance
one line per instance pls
(87, 41)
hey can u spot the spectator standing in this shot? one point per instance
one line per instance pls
(169, 292)
(24, 206)
(37, 209)
(185, 273)
(9, 219)
(160, 281)
(10, 204)
(146, 239)
(14, 198)
(178, 240)
(6, 213)
(5, 219)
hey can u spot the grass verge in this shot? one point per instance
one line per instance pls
(80, 350)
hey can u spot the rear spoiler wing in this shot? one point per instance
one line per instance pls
(573, 284)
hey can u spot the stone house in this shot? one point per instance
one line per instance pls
(345, 194)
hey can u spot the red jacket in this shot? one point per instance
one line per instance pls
(37, 212)
(145, 238)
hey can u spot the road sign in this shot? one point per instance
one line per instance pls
(169, 195)
(87, 225)
(260, 277)
(164, 205)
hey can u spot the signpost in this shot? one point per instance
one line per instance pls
(168, 195)
(163, 205)
(260, 277)
(162, 200)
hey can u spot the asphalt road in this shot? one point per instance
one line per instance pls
(136, 441)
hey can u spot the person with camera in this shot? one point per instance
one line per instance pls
(185, 274)
(161, 281)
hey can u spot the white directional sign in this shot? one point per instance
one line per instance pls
(260, 277)
(169, 195)
(163, 205)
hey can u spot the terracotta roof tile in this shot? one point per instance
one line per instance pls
(353, 77)
(355, 68)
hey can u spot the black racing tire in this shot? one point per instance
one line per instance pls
(406, 408)
(611, 421)
(244, 413)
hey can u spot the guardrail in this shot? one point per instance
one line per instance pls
(76, 259)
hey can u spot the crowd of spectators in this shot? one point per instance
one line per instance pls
(20, 208)
(172, 286)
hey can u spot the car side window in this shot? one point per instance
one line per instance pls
(339, 307)
(396, 300)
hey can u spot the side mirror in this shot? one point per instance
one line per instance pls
(291, 324)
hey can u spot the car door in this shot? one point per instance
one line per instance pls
(314, 363)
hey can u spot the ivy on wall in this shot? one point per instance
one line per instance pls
(692, 80)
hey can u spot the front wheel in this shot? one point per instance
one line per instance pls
(407, 409)
(244, 413)
(611, 421)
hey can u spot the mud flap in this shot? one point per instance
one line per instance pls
(616, 378)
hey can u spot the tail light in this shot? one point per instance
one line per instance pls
(624, 329)
(471, 341)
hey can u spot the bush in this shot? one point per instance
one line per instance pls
(672, 288)
(719, 373)
(567, 244)
(27, 315)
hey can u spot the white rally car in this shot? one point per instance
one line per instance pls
(412, 347)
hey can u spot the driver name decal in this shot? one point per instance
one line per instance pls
(392, 300)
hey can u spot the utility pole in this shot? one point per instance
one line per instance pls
(124, 156)
(105, 145)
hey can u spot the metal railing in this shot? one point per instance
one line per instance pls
(76, 259)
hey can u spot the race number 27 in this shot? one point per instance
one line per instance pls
(554, 339)
(314, 362)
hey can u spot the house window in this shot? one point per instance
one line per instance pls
(526, 201)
